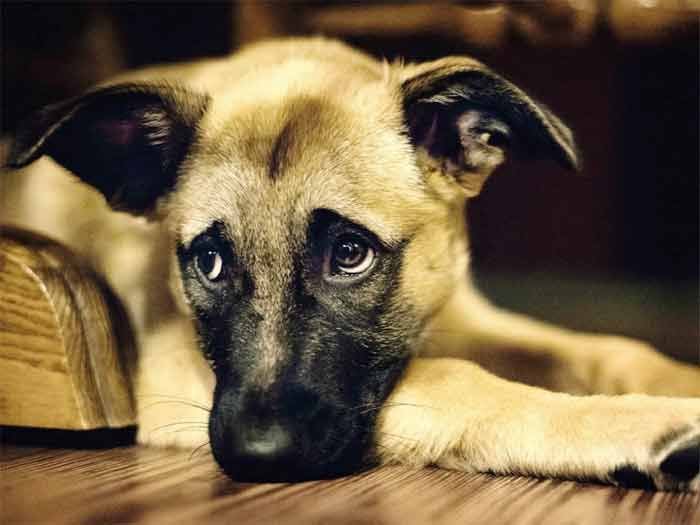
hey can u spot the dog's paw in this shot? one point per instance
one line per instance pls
(674, 464)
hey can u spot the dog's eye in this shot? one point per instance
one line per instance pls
(210, 264)
(349, 254)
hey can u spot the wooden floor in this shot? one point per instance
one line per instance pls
(137, 484)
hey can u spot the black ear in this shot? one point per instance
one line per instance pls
(464, 119)
(125, 140)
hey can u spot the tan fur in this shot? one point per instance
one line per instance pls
(343, 153)
(454, 414)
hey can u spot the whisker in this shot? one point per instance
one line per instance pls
(377, 404)
(380, 445)
(196, 449)
(176, 398)
(363, 405)
(392, 405)
(176, 423)
(177, 401)
(399, 436)
(188, 429)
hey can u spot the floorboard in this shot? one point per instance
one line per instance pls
(144, 485)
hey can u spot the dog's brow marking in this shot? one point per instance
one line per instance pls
(279, 151)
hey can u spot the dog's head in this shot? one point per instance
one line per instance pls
(317, 226)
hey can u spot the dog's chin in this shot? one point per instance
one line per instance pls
(276, 455)
(291, 472)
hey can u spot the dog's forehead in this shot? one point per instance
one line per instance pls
(273, 163)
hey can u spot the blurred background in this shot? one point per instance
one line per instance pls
(614, 249)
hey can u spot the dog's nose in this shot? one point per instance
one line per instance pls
(263, 445)
(290, 435)
(255, 452)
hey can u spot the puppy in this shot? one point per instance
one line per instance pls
(306, 205)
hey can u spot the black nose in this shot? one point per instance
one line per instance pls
(256, 452)
(291, 437)
(263, 447)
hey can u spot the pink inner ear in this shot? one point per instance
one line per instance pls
(118, 132)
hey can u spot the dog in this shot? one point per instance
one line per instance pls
(294, 258)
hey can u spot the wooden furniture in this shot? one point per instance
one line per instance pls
(65, 342)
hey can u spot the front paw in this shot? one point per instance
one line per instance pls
(674, 464)
(172, 421)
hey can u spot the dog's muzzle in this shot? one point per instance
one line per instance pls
(293, 435)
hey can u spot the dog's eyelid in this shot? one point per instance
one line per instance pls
(366, 226)
(370, 236)
(216, 231)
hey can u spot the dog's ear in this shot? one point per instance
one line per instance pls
(125, 140)
(464, 120)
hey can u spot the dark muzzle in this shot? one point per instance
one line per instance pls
(292, 435)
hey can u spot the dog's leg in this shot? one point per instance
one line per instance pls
(174, 387)
(523, 349)
(454, 414)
